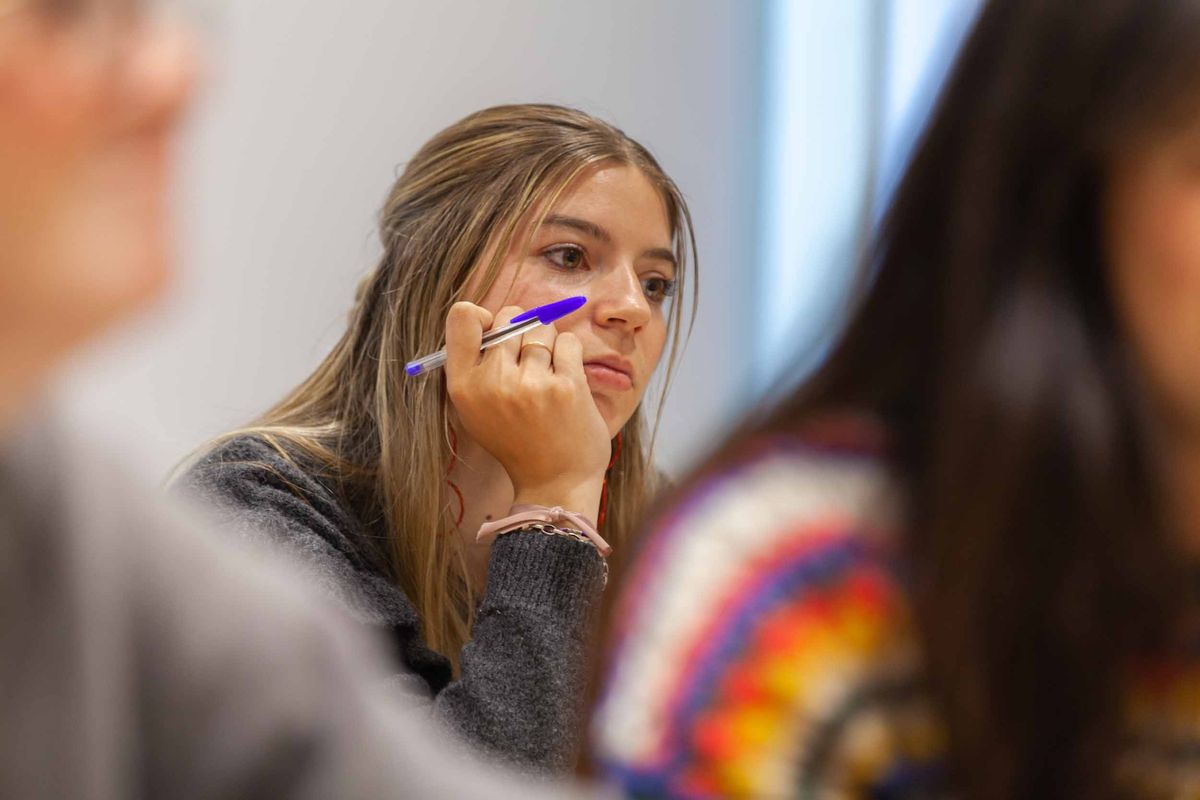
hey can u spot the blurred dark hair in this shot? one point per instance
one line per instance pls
(986, 341)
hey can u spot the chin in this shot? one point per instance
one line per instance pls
(134, 286)
(613, 419)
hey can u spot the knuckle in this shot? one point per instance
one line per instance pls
(507, 392)
(460, 311)
(508, 312)
(560, 391)
(465, 315)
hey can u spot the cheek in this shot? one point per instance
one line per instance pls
(618, 409)
(55, 94)
(655, 340)
(84, 224)
(651, 344)
(80, 258)
(530, 294)
(517, 285)
(1154, 232)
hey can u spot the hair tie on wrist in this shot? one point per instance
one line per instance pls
(523, 514)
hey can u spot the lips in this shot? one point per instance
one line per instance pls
(609, 372)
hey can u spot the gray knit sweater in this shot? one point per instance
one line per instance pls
(143, 657)
(520, 693)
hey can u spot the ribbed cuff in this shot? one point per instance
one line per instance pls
(556, 575)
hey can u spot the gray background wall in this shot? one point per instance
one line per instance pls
(307, 112)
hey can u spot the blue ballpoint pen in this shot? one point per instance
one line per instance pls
(526, 321)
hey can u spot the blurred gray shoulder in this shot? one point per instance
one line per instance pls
(280, 499)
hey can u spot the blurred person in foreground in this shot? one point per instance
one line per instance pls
(139, 658)
(962, 559)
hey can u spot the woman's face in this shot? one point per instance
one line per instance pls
(89, 100)
(1153, 232)
(607, 238)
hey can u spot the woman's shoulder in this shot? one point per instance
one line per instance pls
(263, 471)
(766, 605)
(254, 457)
(271, 492)
(265, 476)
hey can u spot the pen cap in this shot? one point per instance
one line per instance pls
(552, 311)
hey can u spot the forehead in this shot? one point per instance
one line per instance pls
(619, 198)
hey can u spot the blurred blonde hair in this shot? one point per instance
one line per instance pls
(384, 438)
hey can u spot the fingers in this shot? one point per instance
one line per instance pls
(568, 357)
(507, 351)
(537, 348)
(465, 325)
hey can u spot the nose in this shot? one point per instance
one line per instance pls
(619, 302)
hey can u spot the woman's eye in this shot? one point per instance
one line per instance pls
(568, 258)
(658, 289)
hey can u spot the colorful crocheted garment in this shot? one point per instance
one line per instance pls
(765, 647)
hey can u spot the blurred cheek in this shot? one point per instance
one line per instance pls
(81, 257)
(84, 182)
(1154, 247)
(47, 127)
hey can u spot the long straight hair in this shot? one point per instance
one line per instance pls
(986, 341)
(382, 438)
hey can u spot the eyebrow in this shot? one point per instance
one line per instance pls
(596, 232)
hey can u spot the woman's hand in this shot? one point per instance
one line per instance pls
(527, 402)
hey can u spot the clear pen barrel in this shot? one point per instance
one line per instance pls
(490, 339)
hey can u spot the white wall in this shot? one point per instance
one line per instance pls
(309, 109)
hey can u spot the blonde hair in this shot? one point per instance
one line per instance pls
(383, 439)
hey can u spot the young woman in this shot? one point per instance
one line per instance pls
(381, 482)
(962, 559)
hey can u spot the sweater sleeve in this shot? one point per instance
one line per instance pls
(520, 691)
